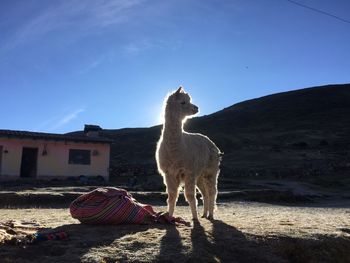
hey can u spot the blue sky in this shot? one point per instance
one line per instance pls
(64, 64)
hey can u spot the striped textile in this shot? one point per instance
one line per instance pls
(110, 205)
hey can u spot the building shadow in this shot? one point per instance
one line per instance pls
(81, 239)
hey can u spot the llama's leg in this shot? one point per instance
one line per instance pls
(172, 199)
(212, 192)
(190, 194)
(204, 192)
(173, 194)
(211, 180)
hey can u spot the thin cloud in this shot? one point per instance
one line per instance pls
(83, 17)
(66, 119)
(58, 121)
(43, 126)
(136, 48)
(92, 65)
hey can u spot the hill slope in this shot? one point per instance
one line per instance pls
(302, 133)
(297, 133)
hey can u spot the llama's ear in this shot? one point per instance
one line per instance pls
(179, 90)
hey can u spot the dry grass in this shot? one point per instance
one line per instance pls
(243, 232)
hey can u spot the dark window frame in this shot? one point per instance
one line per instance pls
(79, 156)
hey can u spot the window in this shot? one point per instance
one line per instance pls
(79, 156)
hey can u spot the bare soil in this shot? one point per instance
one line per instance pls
(242, 232)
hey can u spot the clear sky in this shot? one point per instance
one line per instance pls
(64, 64)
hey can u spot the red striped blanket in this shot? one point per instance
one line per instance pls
(110, 205)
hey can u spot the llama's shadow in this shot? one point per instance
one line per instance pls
(224, 243)
(171, 247)
(231, 245)
(218, 243)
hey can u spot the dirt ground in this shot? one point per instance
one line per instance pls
(242, 232)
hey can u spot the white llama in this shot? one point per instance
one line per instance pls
(186, 158)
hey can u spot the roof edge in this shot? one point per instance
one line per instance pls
(51, 136)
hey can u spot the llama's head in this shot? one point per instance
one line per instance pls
(179, 106)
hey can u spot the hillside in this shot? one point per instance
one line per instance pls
(299, 134)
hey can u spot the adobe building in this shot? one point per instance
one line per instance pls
(25, 154)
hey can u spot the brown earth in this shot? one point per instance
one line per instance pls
(242, 232)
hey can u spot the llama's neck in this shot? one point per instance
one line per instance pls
(172, 130)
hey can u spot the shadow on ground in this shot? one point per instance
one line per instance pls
(225, 243)
(82, 238)
(207, 241)
(221, 243)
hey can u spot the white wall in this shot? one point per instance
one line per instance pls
(55, 163)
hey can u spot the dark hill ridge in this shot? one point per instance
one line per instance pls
(302, 133)
(321, 106)
(321, 111)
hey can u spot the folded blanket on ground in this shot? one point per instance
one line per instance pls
(111, 205)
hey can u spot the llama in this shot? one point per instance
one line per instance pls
(186, 158)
